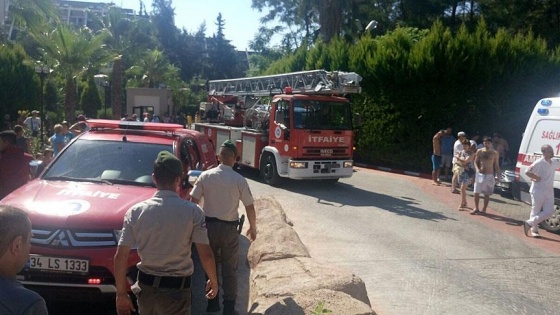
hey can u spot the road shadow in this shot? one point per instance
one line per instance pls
(289, 307)
(506, 220)
(341, 194)
(544, 238)
(502, 201)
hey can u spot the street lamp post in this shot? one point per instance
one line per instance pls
(42, 71)
(107, 93)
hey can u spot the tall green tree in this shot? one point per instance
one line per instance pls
(223, 61)
(163, 18)
(193, 54)
(299, 21)
(73, 52)
(129, 38)
(90, 99)
(29, 14)
(20, 85)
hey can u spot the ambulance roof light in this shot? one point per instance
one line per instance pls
(546, 102)
(542, 111)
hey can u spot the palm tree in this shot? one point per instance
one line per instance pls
(129, 40)
(74, 52)
(154, 69)
(30, 14)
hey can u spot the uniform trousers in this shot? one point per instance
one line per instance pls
(162, 301)
(224, 241)
(541, 201)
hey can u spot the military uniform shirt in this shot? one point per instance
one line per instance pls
(163, 228)
(222, 188)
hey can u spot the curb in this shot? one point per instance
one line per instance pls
(393, 170)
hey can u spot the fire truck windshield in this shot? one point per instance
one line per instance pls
(322, 115)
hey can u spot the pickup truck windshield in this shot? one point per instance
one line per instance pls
(322, 115)
(126, 163)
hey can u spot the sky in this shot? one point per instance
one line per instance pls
(241, 21)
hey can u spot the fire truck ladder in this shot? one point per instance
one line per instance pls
(303, 82)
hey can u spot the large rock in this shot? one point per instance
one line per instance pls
(285, 280)
(276, 239)
(286, 277)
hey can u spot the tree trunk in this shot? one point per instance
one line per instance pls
(116, 88)
(70, 100)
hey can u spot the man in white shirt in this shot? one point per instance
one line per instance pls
(457, 147)
(541, 173)
(33, 122)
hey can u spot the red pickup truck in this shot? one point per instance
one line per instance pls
(77, 204)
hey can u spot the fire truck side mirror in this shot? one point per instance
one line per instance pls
(357, 120)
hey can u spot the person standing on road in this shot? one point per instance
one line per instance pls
(58, 141)
(163, 228)
(15, 236)
(457, 147)
(464, 164)
(222, 189)
(487, 166)
(81, 126)
(21, 140)
(33, 122)
(14, 164)
(541, 173)
(502, 146)
(447, 142)
(68, 135)
(436, 156)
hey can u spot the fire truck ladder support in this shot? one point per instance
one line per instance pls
(303, 82)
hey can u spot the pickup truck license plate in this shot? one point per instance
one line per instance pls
(59, 264)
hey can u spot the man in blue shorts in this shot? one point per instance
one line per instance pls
(447, 141)
(436, 156)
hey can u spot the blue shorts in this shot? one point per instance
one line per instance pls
(464, 178)
(436, 162)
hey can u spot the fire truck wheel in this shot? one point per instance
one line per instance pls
(552, 224)
(269, 171)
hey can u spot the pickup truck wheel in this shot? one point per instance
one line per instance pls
(552, 224)
(269, 171)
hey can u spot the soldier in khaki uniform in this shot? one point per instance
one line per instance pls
(222, 189)
(163, 228)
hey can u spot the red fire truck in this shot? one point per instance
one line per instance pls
(295, 125)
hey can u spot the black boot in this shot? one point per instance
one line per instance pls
(213, 305)
(229, 307)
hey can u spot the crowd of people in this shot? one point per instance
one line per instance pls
(28, 129)
(181, 119)
(479, 165)
(165, 268)
(471, 164)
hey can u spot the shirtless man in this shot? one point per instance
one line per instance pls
(487, 166)
(436, 156)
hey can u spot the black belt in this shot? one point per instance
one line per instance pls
(164, 282)
(212, 219)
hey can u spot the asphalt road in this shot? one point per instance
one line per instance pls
(416, 252)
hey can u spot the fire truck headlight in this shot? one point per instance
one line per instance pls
(347, 164)
(295, 164)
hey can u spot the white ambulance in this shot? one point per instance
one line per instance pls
(543, 128)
